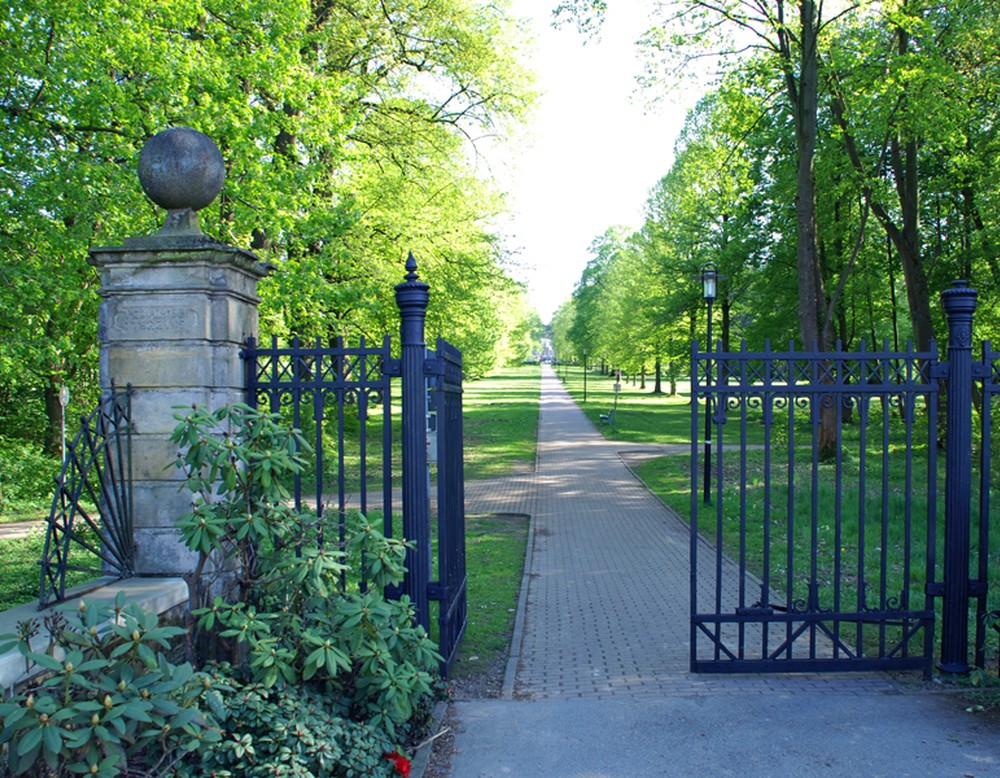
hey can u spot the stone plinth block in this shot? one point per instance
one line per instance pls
(153, 458)
(159, 503)
(174, 365)
(161, 552)
(155, 265)
(176, 316)
(155, 412)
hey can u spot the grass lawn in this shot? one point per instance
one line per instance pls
(639, 415)
(500, 419)
(19, 574)
(21, 513)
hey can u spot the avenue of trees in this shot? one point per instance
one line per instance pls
(349, 128)
(841, 172)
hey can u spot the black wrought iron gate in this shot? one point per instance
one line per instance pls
(368, 459)
(815, 544)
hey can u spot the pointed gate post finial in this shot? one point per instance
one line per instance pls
(411, 268)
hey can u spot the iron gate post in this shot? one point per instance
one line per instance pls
(412, 297)
(959, 305)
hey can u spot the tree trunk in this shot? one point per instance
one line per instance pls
(53, 416)
(803, 96)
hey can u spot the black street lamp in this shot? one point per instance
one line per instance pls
(585, 375)
(709, 290)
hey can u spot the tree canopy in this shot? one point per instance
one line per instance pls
(902, 165)
(348, 130)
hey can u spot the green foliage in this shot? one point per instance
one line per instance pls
(346, 129)
(27, 475)
(287, 731)
(109, 699)
(296, 606)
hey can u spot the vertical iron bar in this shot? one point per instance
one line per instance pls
(318, 410)
(909, 417)
(861, 603)
(985, 463)
(838, 501)
(340, 377)
(790, 504)
(712, 409)
(744, 389)
(693, 553)
(768, 419)
(886, 400)
(387, 441)
(708, 406)
(930, 560)
(959, 304)
(362, 399)
(816, 420)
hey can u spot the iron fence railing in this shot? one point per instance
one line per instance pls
(825, 536)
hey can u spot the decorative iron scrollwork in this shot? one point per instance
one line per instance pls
(91, 513)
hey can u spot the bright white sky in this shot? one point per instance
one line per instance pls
(592, 153)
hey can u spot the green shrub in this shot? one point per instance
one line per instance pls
(111, 703)
(287, 730)
(293, 604)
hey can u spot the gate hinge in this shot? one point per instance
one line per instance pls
(938, 370)
(981, 370)
(393, 368)
(437, 591)
(433, 366)
(936, 588)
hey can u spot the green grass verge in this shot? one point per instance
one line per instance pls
(19, 574)
(14, 515)
(640, 416)
(500, 419)
(494, 552)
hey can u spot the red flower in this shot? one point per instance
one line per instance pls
(400, 762)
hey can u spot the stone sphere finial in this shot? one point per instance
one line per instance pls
(182, 170)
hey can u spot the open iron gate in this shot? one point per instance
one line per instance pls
(807, 556)
(343, 398)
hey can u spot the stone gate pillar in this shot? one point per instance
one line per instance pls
(176, 307)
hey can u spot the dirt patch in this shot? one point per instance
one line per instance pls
(484, 685)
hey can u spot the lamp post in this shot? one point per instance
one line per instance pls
(585, 375)
(709, 290)
(63, 402)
